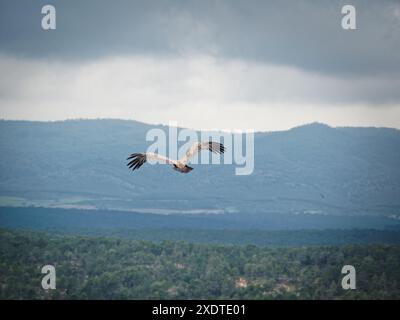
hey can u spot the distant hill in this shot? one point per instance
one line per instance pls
(312, 169)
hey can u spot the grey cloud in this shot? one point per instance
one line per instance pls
(303, 34)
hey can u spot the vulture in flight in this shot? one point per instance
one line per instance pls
(138, 159)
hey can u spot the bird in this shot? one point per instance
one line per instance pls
(138, 159)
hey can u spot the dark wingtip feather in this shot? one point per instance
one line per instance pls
(137, 160)
(216, 147)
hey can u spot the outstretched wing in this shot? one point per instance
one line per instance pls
(138, 159)
(212, 146)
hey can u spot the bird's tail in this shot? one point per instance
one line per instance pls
(185, 169)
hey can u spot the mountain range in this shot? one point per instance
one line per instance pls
(312, 169)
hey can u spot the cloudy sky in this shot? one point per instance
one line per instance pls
(263, 65)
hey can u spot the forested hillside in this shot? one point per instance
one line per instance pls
(111, 268)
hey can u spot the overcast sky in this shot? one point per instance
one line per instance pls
(263, 65)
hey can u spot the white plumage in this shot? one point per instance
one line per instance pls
(138, 159)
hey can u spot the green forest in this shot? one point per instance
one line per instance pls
(98, 267)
